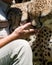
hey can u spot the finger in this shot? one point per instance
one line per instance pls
(34, 31)
(26, 25)
(30, 31)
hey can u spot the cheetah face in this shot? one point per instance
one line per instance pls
(36, 12)
(34, 9)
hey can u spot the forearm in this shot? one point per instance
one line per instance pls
(7, 39)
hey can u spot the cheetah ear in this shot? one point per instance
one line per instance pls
(24, 16)
(45, 12)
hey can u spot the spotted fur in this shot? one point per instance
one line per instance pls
(42, 47)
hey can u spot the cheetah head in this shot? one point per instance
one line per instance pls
(33, 11)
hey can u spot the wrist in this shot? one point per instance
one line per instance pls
(14, 36)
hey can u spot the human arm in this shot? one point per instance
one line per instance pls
(18, 33)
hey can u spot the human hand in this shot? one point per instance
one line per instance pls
(23, 30)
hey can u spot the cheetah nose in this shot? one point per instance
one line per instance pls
(34, 23)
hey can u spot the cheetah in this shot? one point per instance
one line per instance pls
(37, 11)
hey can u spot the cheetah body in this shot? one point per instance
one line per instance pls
(42, 45)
